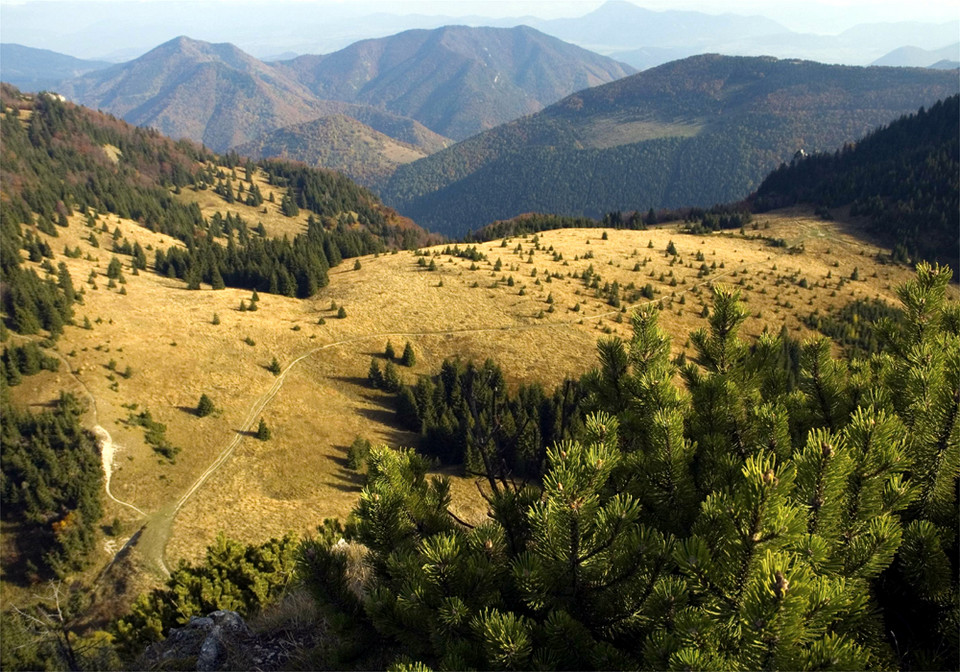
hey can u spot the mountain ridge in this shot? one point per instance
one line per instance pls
(704, 130)
(443, 77)
(336, 142)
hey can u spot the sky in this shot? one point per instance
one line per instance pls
(117, 30)
(807, 15)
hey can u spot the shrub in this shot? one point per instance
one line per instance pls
(205, 406)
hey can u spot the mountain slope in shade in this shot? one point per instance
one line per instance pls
(945, 64)
(905, 177)
(699, 131)
(915, 57)
(456, 80)
(336, 142)
(32, 69)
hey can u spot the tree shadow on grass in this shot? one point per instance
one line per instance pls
(385, 415)
(347, 480)
(359, 381)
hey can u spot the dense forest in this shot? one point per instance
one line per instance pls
(50, 486)
(739, 521)
(695, 132)
(468, 405)
(905, 177)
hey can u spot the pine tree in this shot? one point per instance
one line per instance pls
(388, 351)
(263, 432)
(391, 379)
(375, 375)
(205, 406)
(274, 367)
(408, 358)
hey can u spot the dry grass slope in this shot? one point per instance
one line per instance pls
(166, 334)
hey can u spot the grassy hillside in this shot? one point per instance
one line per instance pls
(699, 131)
(141, 348)
(456, 80)
(322, 401)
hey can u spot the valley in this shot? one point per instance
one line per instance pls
(470, 348)
(223, 478)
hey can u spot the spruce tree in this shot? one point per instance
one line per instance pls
(408, 358)
(263, 432)
(375, 375)
(274, 367)
(205, 406)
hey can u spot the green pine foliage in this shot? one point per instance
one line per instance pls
(357, 453)
(205, 406)
(408, 358)
(25, 360)
(155, 434)
(274, 367)
(50, 488)
(263, 432)
(736, 523)
(233, 576)
(375, 375)
(854, 326)
(466, 416)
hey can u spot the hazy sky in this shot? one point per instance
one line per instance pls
(118, 30)
(801, 15)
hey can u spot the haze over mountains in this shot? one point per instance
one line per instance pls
(38, 69)
(699, 131)
(120, 31)
(456, 81)
(915, 57)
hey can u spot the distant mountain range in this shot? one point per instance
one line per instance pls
(915, 57)
(456, 80)
(38, 69)
(699, 131)
(120, 30)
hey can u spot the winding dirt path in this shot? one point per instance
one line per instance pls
(107, 449)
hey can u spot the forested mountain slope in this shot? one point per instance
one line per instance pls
(218, 95)
(698, 131)
(904, 176)
(337, 142)
(456, 80)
